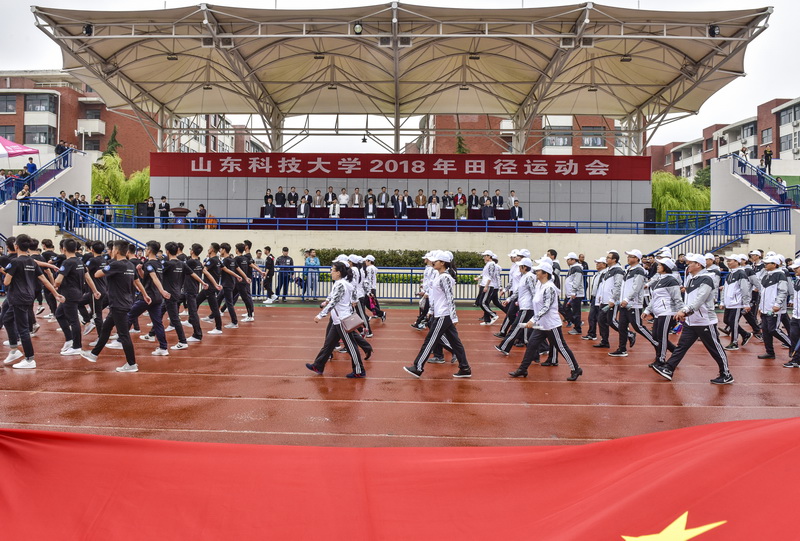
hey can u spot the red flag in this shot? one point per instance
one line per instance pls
(728, 481)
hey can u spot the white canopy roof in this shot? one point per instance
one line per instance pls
(408, 60)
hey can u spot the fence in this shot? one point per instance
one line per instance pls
(12, 184)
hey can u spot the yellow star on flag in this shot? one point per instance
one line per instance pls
(676, 531)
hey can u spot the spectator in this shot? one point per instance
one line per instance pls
(307, 197)
(108, 211)
(30, 166)
(267, 195)
(767, 159)
(680, 264)
(97, 207)
(512, 196)
(22, 197)
(163, 212)
(312, 264)
(356, 200)
(516, 211)
(781, 189)
(487, 211)
(743, 154)
(434, 209)
(284, 274)
(421, 201)
(256, 285)
(150, 215)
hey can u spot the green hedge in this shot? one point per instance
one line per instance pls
(400, 258)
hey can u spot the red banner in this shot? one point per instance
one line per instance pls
(724, 482)
(401, 166)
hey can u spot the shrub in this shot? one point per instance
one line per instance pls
(399, 258)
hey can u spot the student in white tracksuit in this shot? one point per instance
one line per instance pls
(736, 299)
(665, 301)
(595, 298)
(772, 303)
(794, 329)
(358, 283)
(630, 305)
(546, 325)
(574, 290)
(489, 283)
(424, 302)
(511, 308)
(523, 298)
(700, 323)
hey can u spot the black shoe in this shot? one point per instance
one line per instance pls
(549, 362)
(732, 347)
(520, 345)
(766, 356)
(413, 371)
(501, 350)
(663, 370)
(436, 360)
(575, 374)
(726, 331)
(618, 353)
(759, 336)
(353, 375)
(313, 368)
(518, 373)
(463, 373)
(722, 379)
(632, 339)
(415, 326)
(453, 359)
(588, 337)
(368, 354)
(605, 345)
(746, 338)
(792, 364)
(499, 335)
(383, 318)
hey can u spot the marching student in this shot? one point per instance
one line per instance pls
(514, 276)
(176, 275)
(630, 305)
(212, 272)
(595, 301)
(358, 283)
(611, 296)
(701, 323)
(121, 279)
(443, 319)
(244, 264)
(574, 290)
(229, 279)
(488, 282)
(794, 329)
(774, 292)
(192, 290)
(22, 276)
(370, 286)
(71, 277)
(151, 273)
(546, 325)
(755, 286)
(522, 296)
(735, 299)
(428, 274)
(338, 305)
(97, 262)
(665, 301)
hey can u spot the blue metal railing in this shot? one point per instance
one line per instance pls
(80, 224)
(766, 183)
(733, 227)
(683, 222)
(13, 184)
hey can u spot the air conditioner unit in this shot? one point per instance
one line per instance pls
(384, 41)
(226, 42)
(587, 42)
(567, 43)
(796, 123)
(743, 141)
(207, 42)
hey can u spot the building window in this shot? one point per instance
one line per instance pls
(7, 132)
(796, 139)
(710, 144)
(723, 141)
(754, 152)
(766, 136)
(93, 114)
(8, 103)
(91, 144)
(89, 88)
(559, 136)
(40, 102)
(748, 131)
(785, 117)
(786, 143)
(40, 135)
(668, 159)
(594, 136)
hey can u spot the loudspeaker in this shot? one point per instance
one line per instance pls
(141, 209)
(650, 219)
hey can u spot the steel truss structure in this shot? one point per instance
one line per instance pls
(402, 62)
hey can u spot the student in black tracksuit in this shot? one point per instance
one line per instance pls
(176, 274)
(243, 267)
(97, 262)
(151, 272)
(212, 271)
(229, 279)
(191, 291)
(70, 280)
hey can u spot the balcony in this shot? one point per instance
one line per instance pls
(40, 118)
(91, 126)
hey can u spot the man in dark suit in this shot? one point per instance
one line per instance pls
(370, 208)
(269, 208)
(472, 201)
(292, 198)
(280, 197)
(408, 199)
(516, 211)
(400, 208)
(497, 200)
(487, 211)
(330, 197)
(395, 197)
(383, 198)
(303, 209)
(433, 194)
(485, 197)
(447, 200)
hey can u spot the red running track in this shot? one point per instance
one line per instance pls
(250, 385)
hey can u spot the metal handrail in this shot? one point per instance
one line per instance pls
(765, 182)
(11, 185)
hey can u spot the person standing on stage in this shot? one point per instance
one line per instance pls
(70, 280)
(443, 319)
(700, 323)
(121, 279)
(546, 325)
(163, 212)
(338, 305)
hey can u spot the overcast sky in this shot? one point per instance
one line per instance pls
(769, 62)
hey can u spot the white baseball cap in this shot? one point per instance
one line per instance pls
(795, 265)
(755, 252)
(572, 255)
(489, 253)
(526, 261)
(370, 258)
(427, 256)
(709, 255)
(772, 259)
(665, 252)
(341, 258)
(770, 253)
(697, 258)
(525, 252)
(544, 266)
(743, 257)
(441, 255)
(600, 260)
(514, 253)
(636, 253)
(667, 262)
(354, 258)
(732, 257)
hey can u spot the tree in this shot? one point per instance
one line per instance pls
(703, 178)
(113, 144)
(676, 193)
(108, 179)
(461, 146)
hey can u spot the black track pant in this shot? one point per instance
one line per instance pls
(706, 334)
(572, 312)
(661, 327)
(607, 319)
(424, 306)
(156, 312)
(632, 317)
(173, 305)
(243, 289)
(515, 332)
(194, 317)
(594, 316)
(770, 330)
(360, 310)
(794, 334)
(511, 314)
(67, 317)
(483, 301)
(442, 327)
(210, 295)
(116, 319)
(538, 338)
(18, 327)
(335, 333)
(731, 319)
(227, 293)
(751, 317)
(51, 301)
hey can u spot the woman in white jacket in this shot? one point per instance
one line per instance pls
(665, 301)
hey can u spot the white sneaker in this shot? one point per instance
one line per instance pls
(193, 339)
(67, 345)
(93, 344)
(35, 328)
(128, 368)
(232, 326)
(6, 343)
(206, 320)
(243, 314)
(158, 352)
(115, 336)
(89, 356)
(114, 344)
(27, 363)
(180, 345)
(150, 324)
(13, 355)
(186, 324)
(40, 309)
(89, 328)
(268, 301)
(184, 313)
(134, 331)
(248, 319)
(147, 338)
(170, 328)
(215, 331)
(71, 351)
(274, 297)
